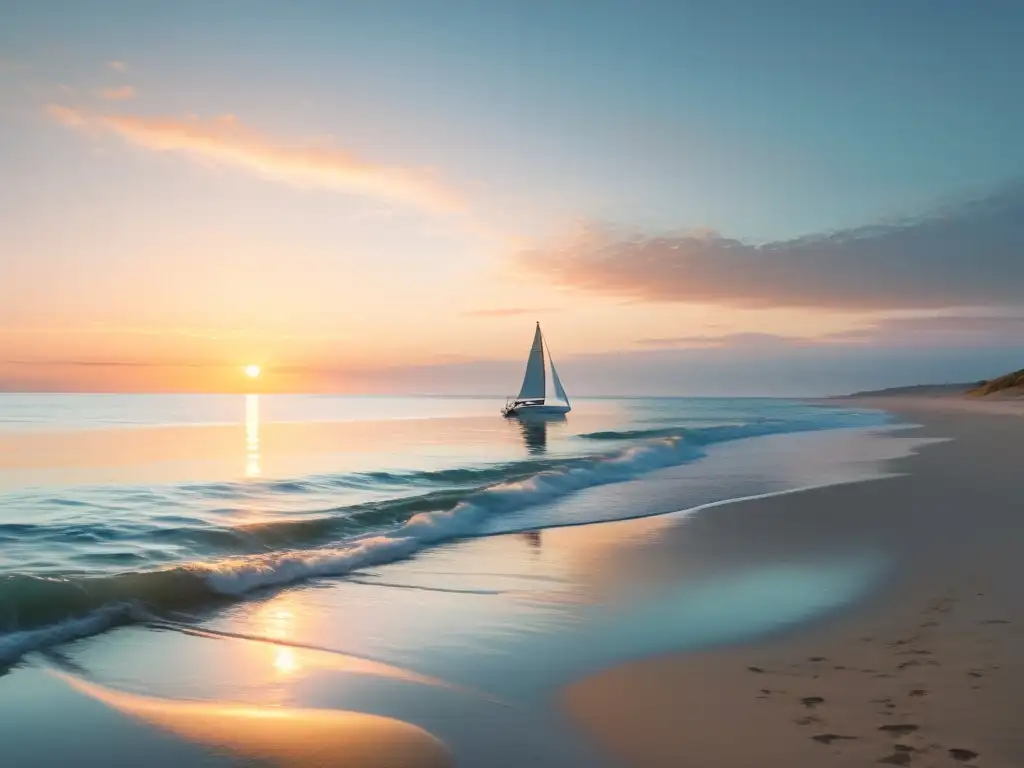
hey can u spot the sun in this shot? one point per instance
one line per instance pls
(252, 371)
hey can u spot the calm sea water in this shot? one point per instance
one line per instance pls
(114, 508)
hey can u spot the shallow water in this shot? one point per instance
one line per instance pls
(116, 507)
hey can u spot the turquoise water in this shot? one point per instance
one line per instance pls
(116, 508)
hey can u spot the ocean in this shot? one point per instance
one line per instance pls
(125, 509)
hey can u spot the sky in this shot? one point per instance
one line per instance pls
(784, 197)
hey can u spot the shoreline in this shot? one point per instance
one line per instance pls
(546, 608)
(925, 687)
(542, 603)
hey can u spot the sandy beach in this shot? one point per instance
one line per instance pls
(926, 672)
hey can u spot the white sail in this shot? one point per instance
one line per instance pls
(559, 390)
(534, 383)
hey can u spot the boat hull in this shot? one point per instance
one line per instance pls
(536, 410)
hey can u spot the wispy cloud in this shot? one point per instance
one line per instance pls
(118, 66)
(939, 330)
(509, 311)
(943, 330)
(120, 93)
(112, 364)
(72, 118)
(226, 141)
(210, 334)
(966, 255)
(729, 340)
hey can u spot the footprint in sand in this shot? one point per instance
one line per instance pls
(898, 729)
(896, 758)
(809, 720)
(918, 692)
(812, 701)
(817, 658)
(887, 702)
(756, 669)
(828, 738)
(963, 755)
(995, 621)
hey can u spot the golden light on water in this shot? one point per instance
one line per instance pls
(252, 371)
(285, 661)
(252, 435)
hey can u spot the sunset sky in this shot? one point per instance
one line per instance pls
(692, 197)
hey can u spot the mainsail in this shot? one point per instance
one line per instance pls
(534, 383)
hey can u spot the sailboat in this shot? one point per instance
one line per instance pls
(534, 397)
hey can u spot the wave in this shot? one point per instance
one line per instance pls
(383, 480)
(38, 611)
(46, 610)
(16, 644)
(239, 576)
(726, 432)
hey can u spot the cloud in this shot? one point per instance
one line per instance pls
(508, 311)
(945, 330)
(111, 364)
(938, 330)
(726, 341)
(776, 369)
(66, 116)
(121, 93)
(118, 66)
(226, 141)
(966, 255)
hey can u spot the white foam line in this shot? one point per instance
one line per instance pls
(425, 588)
(16, 644)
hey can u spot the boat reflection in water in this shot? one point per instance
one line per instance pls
(534, 429)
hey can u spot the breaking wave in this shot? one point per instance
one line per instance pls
(38, 611)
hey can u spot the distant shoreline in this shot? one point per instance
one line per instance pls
(916, 390)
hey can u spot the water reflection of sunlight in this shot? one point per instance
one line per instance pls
(252, 435)
(285, 661)
(279, 735)
(277, 622)
(283, 625)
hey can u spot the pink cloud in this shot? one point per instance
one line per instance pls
(964, 255)
(226, 141)
(121, 93)
(508, 311)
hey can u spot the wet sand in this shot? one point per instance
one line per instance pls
(96, 725)
(927, 671)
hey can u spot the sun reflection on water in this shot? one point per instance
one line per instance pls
(285, 661)
(252, 435)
